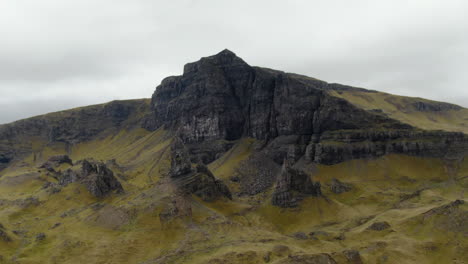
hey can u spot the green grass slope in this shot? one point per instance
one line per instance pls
(423, 200)
(128, 228)
(438, 116)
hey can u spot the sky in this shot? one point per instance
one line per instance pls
(60, 54)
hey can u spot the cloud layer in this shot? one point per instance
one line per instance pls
(58, 54)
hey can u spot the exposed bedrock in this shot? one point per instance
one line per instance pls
(292, 185)
(69, 127)
(95, 176)
(221, 98)
(194, 179)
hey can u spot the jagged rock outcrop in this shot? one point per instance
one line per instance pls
(434, 106)
(221, 98)
(338, 187)
(352, 256)
(293, 185)
(40, 237)
(180, 160)
(445, 209)
(198, 180)
(338, 146)
(95, 176)
(379, 226)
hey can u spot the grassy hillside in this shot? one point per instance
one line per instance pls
(400, 209)
(411, 110)
(127, 228)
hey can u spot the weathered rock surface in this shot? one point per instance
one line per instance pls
(444, 209)
(451, 217)
(352, 256)
(198, 179)
(340, 187)
(256, 174)
(434, 106)
(379, 226)
(292, 186)
(95, 176)
(223, 98)
(322, 258)
(40, 237)
(68, 127)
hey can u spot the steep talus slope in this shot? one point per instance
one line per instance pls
(230, 163)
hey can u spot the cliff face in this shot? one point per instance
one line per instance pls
(223, 98)
(198, 180)
(68, 127)
(230, 170)
(220, 99)
(292, 185)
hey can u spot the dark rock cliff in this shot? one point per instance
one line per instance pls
(69, 127)
(198, 180)
(221, 98)
(292, 185)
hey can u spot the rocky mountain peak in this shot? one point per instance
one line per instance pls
(224, 59)
(221, 98)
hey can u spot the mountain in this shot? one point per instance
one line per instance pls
(230, 163)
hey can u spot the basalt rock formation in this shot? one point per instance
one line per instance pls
(95, 176)
(229, 167)
(340, 187)
(292, 186)
(221, 98)
(198, 180)
(68, 127)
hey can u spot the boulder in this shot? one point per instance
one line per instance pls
(379, 226)
(40, 237)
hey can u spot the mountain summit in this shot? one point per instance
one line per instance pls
(223, 98)
(231, 163)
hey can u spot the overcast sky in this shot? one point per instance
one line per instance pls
(59, 54)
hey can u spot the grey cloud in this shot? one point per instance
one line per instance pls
(60, 54)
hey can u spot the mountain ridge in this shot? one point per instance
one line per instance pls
(229, 163)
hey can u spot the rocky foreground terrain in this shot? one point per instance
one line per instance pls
(230, 163)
